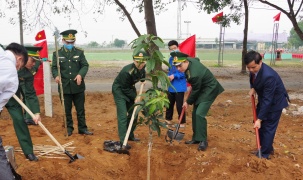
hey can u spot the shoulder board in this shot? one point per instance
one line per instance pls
(131, 70)
(188, 74)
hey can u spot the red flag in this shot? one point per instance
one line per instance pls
(188, 46)
(277, 17)
(217, 17)
(40, 35)
(38, 78)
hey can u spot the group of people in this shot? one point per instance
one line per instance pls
(264, 82)
(18, 65)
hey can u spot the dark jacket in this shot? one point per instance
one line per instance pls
(124, 84)
(72, 63)
(272, 95)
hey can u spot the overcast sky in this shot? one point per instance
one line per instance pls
(109, 26)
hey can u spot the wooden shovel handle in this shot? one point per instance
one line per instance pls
(133, 116)
(39, 122)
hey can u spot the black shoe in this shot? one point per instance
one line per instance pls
(69, 133)
(134, 139)
(30, 122)
(192, 142)
(31, 157)
(202, 146)
(86, 133)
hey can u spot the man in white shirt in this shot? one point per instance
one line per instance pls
(12, 59)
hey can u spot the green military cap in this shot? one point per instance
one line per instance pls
(179, 57)
(69, 35)
(33, 51)
(140, 56)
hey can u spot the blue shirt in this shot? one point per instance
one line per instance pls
(179, 81)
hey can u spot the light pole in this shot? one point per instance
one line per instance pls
(187, 31)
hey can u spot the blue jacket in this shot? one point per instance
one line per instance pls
(179, 81)
(272, 95)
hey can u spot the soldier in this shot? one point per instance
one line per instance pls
(124, 92)
(15, 110)
(205, 89)
(73, 68)
(31, 68)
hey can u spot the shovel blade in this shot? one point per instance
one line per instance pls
(174, 135)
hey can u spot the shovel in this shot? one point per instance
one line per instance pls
(171, 134)
(72, 158)
(123, 149)
(256, 129)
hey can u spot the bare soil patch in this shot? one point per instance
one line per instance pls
(230, 135)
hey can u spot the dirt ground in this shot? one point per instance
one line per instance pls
(230, 135)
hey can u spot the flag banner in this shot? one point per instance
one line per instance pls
(188, 46)
(40, 35)
(218, 17)
(277, 17)
(38, 77)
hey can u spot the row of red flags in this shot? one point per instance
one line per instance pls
(218, 17)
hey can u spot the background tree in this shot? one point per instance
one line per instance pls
(294, 39)
(93, 44)
(119, 43)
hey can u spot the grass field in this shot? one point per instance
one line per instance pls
(207, 57)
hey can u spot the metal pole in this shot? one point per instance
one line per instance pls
(21, 22)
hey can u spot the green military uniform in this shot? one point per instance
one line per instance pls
(27, 73)
(205, 89)
(26, 80)
(124, 92)
(72, 62)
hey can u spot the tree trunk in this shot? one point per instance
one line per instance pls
(151, 24)
(244, 49)
(150, 17)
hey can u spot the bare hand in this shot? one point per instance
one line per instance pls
(185, 105)
(171, 77)
(78, 79)
(252, 92)
(257, 124)
(37, 118)
(57, 79)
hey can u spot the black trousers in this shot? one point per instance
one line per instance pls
(177, 98)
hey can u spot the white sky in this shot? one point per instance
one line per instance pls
(109, 26)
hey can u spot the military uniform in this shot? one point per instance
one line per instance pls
(26, 88)
(72, 63)
(124, 92)
(205, 89)
(28, 73)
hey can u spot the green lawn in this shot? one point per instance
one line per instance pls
(207, 57)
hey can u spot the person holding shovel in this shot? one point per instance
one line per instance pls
(176, 91)
(205, 89)
(73, 68)
(272, 98)
(124, 92)
(12, 59)
(26, 88)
